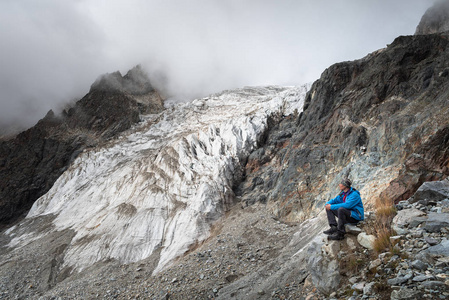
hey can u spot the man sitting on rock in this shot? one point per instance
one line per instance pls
(347, 207)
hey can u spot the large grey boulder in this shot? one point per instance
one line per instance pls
(406, 216)
(421, 278)
(432, 190)
(434, 284)
(324, 270)
(440, 249)
(366, 240)
(418, 264)
(436, 221)
(417, 221)
(425, 257)
(400, 279)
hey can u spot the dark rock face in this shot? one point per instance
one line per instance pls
(383, 114)
(32, 161)
(435, 20)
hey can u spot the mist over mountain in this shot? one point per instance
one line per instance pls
(52, 52)
(435, 20)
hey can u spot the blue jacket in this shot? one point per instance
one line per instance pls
(353, 203)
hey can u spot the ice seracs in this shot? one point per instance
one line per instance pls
(164, 184)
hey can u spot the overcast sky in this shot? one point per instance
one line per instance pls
(52, 50)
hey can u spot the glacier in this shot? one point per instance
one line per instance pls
(162, 184)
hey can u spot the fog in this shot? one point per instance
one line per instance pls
(52, 51)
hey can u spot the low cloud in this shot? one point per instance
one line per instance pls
(52, 51)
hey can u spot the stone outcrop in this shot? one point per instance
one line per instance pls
(405, 217)
(32, 161)
(435, 191)
(366, 240)
(323, 266)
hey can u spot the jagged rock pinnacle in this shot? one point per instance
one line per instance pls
(135, 82)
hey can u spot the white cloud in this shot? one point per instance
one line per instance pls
(52, 51)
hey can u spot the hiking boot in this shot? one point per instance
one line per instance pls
(330, 231)
(337, 236)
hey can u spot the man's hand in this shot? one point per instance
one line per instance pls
(328, 207)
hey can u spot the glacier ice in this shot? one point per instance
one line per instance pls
(164, 183)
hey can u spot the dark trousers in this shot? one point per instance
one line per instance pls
(344, 217)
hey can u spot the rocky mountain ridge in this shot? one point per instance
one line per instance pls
(32, 161)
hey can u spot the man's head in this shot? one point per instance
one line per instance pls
(345, 184)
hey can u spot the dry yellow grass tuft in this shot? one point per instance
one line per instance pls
(382, 242)
(385, 212)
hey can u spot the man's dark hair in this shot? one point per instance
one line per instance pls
(346, 182)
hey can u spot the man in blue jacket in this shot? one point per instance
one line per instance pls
(347, 207)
